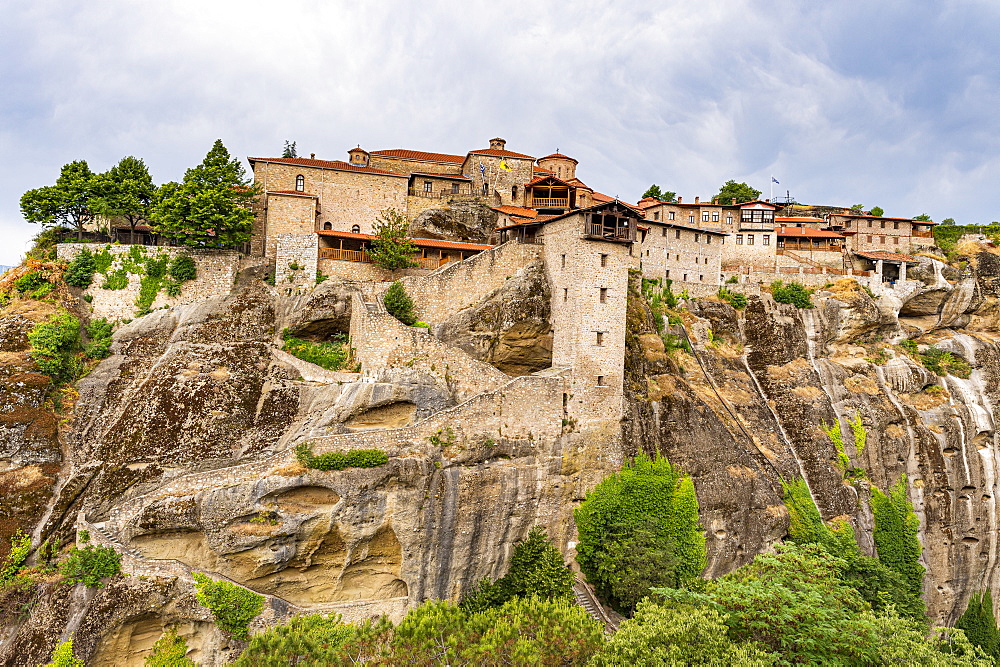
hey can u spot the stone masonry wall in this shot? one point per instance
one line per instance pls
(295, 250)
(289, 214)
(216, 274)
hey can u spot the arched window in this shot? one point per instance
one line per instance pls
(513, 192)
(300, 183)
(356, 229)
(327, 225)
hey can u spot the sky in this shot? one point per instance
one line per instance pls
(889, 103)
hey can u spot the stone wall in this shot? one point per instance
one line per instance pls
(365, 271)
(686, 255)
(295, 250)
(216, 274)
(458, 285)
(750, 248)
(289, 214)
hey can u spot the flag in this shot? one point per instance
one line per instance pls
(482, 169)
(774, 180)
(503, 165)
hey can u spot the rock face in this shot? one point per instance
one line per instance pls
(459, 221)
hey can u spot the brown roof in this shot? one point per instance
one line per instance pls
(500, 153)
(755, 201)
(890, 256)
(807, 232)
(337, 165)
(451, 177)
(420, 243)
(578, 183)
(294, 193)
(560, 155)
(882, 217)
(420, 155)
(519, 211)
(601, 197)
(802, 219)
(539, 179)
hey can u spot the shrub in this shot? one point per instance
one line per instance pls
(99, 331)
(156, 267)
(979, 623)
(170, 650)
(321, 277)
(20, 547)
(183, 268)
(80, 272)
(536, 568)
(895, 534)
(149, 287)
(172, 287)
(356, 458)
(304, 640)
(793, 293)
(737, 300)
(330, 355)
(63, 656)
(54, 344)
(103, 260)
(115, 280)
(399, 304)
(31, 282)
(91, 564)
(234, 606)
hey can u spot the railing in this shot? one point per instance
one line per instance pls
(806, 247)
(613, 233)
(923, 235)
(431, 262)
(440, 194)
(346, 255)
(551, 202)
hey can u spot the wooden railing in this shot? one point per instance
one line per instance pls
(430, 262)
(808, 247)
(551, 202)
(346, 255)
(614, 233)
(439, 194)
(923, 235)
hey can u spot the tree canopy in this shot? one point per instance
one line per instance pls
(740, 191)
(125, 191)
(877, 211)
(289, 150)
(663, 195)
(392, 248)
(211, 207)
(923, 217)
(67, 203)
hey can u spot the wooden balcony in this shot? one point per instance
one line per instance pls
(923, 235)
(808, 247)
(345, 255)
(440, 194)
(550, 202)
(597, 231)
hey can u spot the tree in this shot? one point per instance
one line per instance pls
(923, 217)
(63, 655)
(740, 191)
(980, 625)
(170, 650)
(392, 248)
(212, 207)
(536, 568)
(948, 221)
(655, 192)
(857, 208)
(399, 304)
(289, 149)
(125, 191)
(877, 211)
(68, 203)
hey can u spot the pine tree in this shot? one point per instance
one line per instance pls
(979, 623)
(125, 191)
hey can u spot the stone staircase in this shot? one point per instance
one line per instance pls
(586, 598)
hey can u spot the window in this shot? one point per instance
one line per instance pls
(715, 217)
(300, 183)
(656, 215)
(704, 216)
(697, 238)
(604, 260)
(697, 260)
(356, 229)
(565, 294)
(647, 253)
(667, 274)
(895, 225)
(677, 233)
(881, 239)
(327, 225)
(767, 239)
(869, 238)
(564, 261)
(749, 239)
(708, 239)
(604, 295)
(729, 219)
(454, 188)
(869, 223)
(428, 186)
(739, 239)
(882, 224)
(691, 219)
(600, 338)
(895, 239)
(849, 223)
(671, 215)
(513, 192)
(701, 278)
(663, 230)
(486, 189)
(685, 277)
(600, 381)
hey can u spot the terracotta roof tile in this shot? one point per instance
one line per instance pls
(519, 211)
(560, 155)
(808, 232)
(602, 198)
(420, 243)
(882, 217)
(450, 177)
(337, 165)
(500, 153)
(294, 193)
(890, 256)
(419, 155)
(793, 220)
(578, 183)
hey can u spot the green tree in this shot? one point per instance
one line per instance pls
(392, 248)
(684, 635)
(877, 211)
(289, 150)
(646, 495)
(170, 650)
(895, 534)
(54, 344)
(211, 207)
(125, 191)
(923, 217)
(740, 191)
(314, 639)
(63, 656)
(663, 195)
(399, 304)
(536, 568)
(979, 623)
(234, 606)
(68, 203)
(948, 221)
(857, 208)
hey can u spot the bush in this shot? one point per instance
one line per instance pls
(156, 267)
(54, 344)
(171, 287)
(234, 606)
(31, 282)
(737, 300)
(149, 287)
(399, 304)
(979, 623)
(304, 640)
(115, 280)
(99, 331)
(536, 568)
(169, 651)
(20, 547)
(332, 355)
(357, 458)
(895, 534)
(183, 268)
(103, 260)
(80, 272)
(91, 564)
(793, 293)
(63, 656)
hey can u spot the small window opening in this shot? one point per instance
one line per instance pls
(604, 260)
(600, 338)
(428, 186)
(300, 183)
(327, 225)
(356, 229)
(454, 188)
(565, 294)
(564, 261)
(604, 295)
(600, 381)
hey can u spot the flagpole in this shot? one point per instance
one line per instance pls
(772, 188)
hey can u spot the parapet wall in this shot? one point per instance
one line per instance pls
(216, 269)
(295, 260)
(459, 285)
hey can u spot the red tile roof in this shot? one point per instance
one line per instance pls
(500, 153)
(294, 193)
(543, 172)
(602, 198)
(882, 217)
(793, 220)
(420, 155)
(519, 211)
(539, 179)
(420, 243)
(890, 256)
(337, 165)
(578, 183)
(560, 155)
(755, 201)
(451, 177)
(808, 232)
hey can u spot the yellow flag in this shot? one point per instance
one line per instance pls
(503, 165)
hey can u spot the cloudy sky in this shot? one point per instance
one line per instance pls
(886, 102)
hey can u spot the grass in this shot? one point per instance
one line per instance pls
(332, 356)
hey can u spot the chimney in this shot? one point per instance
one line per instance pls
(680, 200)
(768, 201)
(734, 201)
(312, 156)
(696, 200)
(715, 200)
(497, 143)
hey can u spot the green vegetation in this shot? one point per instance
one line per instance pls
(211, 207)
(860, 437)
(356, 458)
(304, 640)
(234, 606)
(923, 217)
(54, 344)
(859, 432)
(20, 547)
(332, 355)
(99, 332)
(980, 625)
(740, 191)
(90, 564)
(33, 285)
(737, 300)
(170, 651)
(895, 534)
(115, 280)
(63, 656)
(399, 304)
(103, 260)
(392, 248)
(149, 287)
(125, 191)
(655, 192)
(182, 269)
(794, 293)
(65, 204)
(648, 511)
(80, 271)
(936, 360)
(837, 438)
(536, 568)
(857, 208)
(877, 211)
